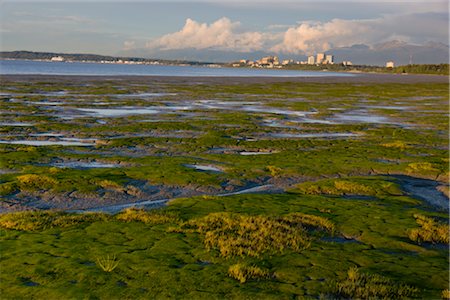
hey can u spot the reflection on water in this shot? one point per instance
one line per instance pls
(19, 124)
(59, 142)
(45, 143)
(83, 165)
(315, 135)
(204, 168)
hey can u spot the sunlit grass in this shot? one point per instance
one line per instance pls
(430, 230)
(359, 285)
(107, 263)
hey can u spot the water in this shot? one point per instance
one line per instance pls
(204, 168)
(77, 68)
(315, 135)
(109, 112)
(158, 203)
(83, 165)
(188, 105)
(248, 153)
(18, 124)
(60, 142)
(45, 143)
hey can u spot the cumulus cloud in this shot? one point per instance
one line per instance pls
(308, 36)
(222, 34)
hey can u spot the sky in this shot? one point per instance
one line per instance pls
(296, 27)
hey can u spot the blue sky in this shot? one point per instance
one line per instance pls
(106, 27)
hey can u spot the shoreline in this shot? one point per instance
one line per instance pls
(356, 78)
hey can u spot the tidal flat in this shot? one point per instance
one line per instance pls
(210, 188)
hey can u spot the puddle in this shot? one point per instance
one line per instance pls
(439, 246)
(256, 189)
(389, 107)
(424, 98)
(83, 165)
(361, 118)
(278, 111)
(245, 153)
(313, 121)
(19, 124)
(315, 135)
(189, 105)
(125, 111)
(206, 168)
(62, 142)
(29, 282)
(46, 103)
(277, 124)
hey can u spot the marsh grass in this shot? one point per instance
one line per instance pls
(359, 285)
(430, 230)
(245, 272)
(397, 144)
(154, 217)
(7, 188)
(108, 184)
(243, 235)
(349, 186)
(41, 220)
(310, 222)
(36, 182)
(107, 263)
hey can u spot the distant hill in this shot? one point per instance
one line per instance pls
(400, 52)
(360, 54)
(88, 57)
(49, 55)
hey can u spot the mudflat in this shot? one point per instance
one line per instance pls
(230, 187)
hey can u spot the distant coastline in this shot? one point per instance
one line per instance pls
(96, 58)
(432, 69)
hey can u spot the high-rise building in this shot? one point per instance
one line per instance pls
(329, 59)
(311, 60)
(320, 58)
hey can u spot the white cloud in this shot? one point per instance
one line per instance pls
(306, 37)
(310, 37)
(221, 34)
(127, 45)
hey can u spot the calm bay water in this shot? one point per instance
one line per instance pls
(77, 68)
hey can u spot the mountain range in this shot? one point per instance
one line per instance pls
(400, 52)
